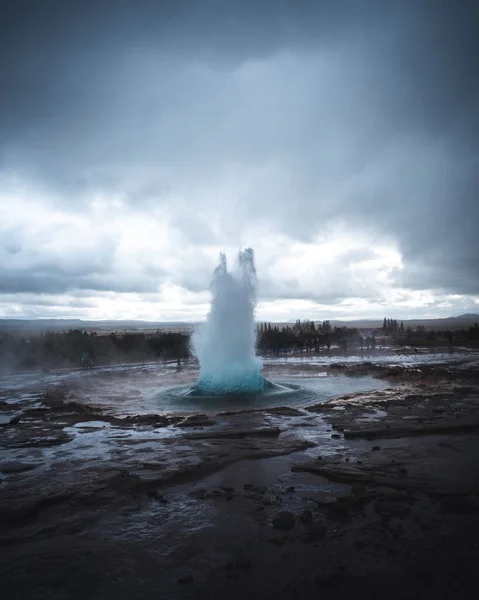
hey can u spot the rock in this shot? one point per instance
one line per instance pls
(358, 489)
(280, 541)
(459, 505)
(329, 578)
(306, 516)
(187, 578)
(236, 433)
(196, 421)
(227, 489)
(243, 563)
(314, 531)
(390, 509)
(375, 448)
(336, 436)
(268, 498)
(291, 488)
(15, 467)
(423, 575)
(341, 506)
(284, 520)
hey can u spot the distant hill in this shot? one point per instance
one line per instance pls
(454, 323)
(38, 325)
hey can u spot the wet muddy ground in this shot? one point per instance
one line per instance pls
(367, 492)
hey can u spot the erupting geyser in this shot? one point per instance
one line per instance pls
(225, 344)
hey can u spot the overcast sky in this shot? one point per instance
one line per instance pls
(138, 139)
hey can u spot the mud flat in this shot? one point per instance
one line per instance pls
(370, 493)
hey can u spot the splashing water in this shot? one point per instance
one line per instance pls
(225, 345)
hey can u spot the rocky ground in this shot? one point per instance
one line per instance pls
(369, 494)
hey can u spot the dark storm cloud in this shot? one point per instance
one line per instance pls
(371, 115)
(59, 282)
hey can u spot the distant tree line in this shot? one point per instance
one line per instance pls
(419, 335)
(66, 349)
(303, 336)
(392, 326)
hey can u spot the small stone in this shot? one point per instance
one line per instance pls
(187, 578)
(359, 462)
(306, 516)
(315, 531)
(358, 488)
(390, 509)
(423, 575)
(268, 498)
(283, 520)
(243, 563)
(248, 486)
(375, 448)
(279, 541)
(291, 488)
(341, 506)
(335, 436)
(403, 471)
(229, 496)
(329, 578)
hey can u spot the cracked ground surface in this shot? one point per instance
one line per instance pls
(374, 490)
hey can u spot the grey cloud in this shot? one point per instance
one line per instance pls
(58, 282)
(360, 111)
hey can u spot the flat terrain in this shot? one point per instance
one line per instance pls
(367, 492)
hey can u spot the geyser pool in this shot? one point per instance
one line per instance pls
(225, 344)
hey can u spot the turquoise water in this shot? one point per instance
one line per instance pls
(291, 392)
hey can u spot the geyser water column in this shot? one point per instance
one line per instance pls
(226, 344)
